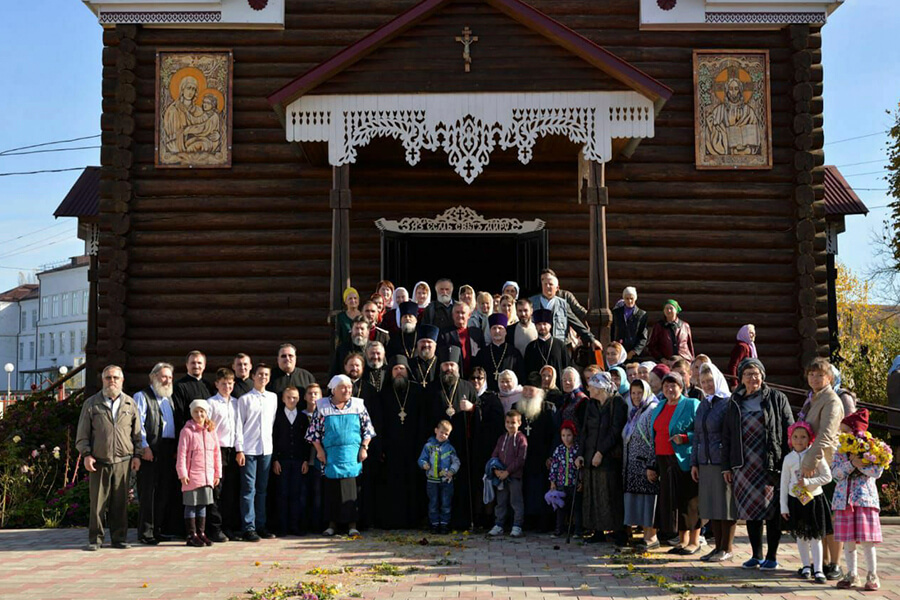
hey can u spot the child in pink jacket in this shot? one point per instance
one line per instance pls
(199, 467)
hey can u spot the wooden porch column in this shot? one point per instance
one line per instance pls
(594, 194)
(340, 235)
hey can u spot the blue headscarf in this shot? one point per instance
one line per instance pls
(624, 389)
(895, 365)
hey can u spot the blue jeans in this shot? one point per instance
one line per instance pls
(440, 498)
(291, 497)
(254, 481)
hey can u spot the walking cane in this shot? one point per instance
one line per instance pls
(572, 512)
(469, 475)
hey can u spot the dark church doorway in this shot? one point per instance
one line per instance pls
(484, 261)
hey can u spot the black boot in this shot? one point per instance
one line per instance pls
(201, 531)
(190, 526)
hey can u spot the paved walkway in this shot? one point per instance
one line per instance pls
(49, 565)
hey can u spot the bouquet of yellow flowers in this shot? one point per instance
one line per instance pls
(870, 449)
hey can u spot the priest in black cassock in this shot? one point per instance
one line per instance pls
(359, 337)
(405, 341)
(452, 398)
(189, 388)
(375, 373)
(469, 340)
(539, 426)
(487, 426)
(288, 374)
(499, 355)
(424, 367)
(546, 349)
(400, 483)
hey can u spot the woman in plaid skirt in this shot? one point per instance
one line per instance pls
(856, 506)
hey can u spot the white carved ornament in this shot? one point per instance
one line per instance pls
(468, 127)
(459, 219)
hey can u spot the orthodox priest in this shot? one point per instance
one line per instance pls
(359, 337)
(400, 484)
(424, 366)
(404, 341)
(500, 354)
(539, 427)
(487, 426)
(546, 349)
(376, 369)
(452, 398)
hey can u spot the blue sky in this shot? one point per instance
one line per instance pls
(52, 53)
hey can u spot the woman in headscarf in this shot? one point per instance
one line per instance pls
(573, 395)
(510, 390)
(621, 380)
(615, 355)
(716, 497)
(754, 443)
(673, 435)
(552, 394)
(344, 320)
(629, 324)
(655, 379)
(511, 288)
(466, 295)
(602, 419)
(422, 296)
(391, 319)
(644, 370)
(745, 347)
(671, 336)
(637, 436)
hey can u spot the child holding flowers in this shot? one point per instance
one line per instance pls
(803, 503)
(861, 459)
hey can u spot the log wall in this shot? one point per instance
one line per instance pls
(238, 259)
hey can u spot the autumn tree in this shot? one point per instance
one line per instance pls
(869, 337)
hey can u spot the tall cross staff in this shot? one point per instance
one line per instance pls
(467, 40)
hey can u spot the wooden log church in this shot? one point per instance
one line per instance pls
(258, 155)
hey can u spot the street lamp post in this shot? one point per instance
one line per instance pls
(62, 387)
(9, 368)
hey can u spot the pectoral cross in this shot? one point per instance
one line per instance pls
(402, 415)
(528, 428)
(467, 40)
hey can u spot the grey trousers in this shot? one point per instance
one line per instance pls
(510, 494)
(109, 502)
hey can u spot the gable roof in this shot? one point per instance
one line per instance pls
(840, 199)
(83, 200)
(25, 291)
(517, 10)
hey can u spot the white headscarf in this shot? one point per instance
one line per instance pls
(576, 377)
(510, 398)
(396, 305)
(721, 385)
(427, 299)
(648, 364)
(338, 380)
(511, 283)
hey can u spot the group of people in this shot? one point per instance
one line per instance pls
(443, 416)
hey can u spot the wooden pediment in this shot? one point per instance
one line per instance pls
(518, 49)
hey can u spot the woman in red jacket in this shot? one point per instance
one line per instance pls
(744, 348)
(670, 335)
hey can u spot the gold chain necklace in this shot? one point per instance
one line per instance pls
(402, 414)
(449, 399)
(498, 363)
(423, 377)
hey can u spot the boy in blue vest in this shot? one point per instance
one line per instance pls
(440, 462)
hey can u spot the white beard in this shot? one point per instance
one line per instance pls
(161, 391)
(531, 407)
(359, 341)
(408, 327)
(444, 299)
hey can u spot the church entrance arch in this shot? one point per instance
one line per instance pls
(466, 247)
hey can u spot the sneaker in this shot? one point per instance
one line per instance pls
(819, 577)
(353, 533)
(753, 563)
(92, 547)
(872, 582)
(769, 565)
(833, 572)
(849, 580)
(516, 531)
(121, 545)
(721, 557)
(251, 536)
(804, 572)
(709, 555)
(495, 531)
